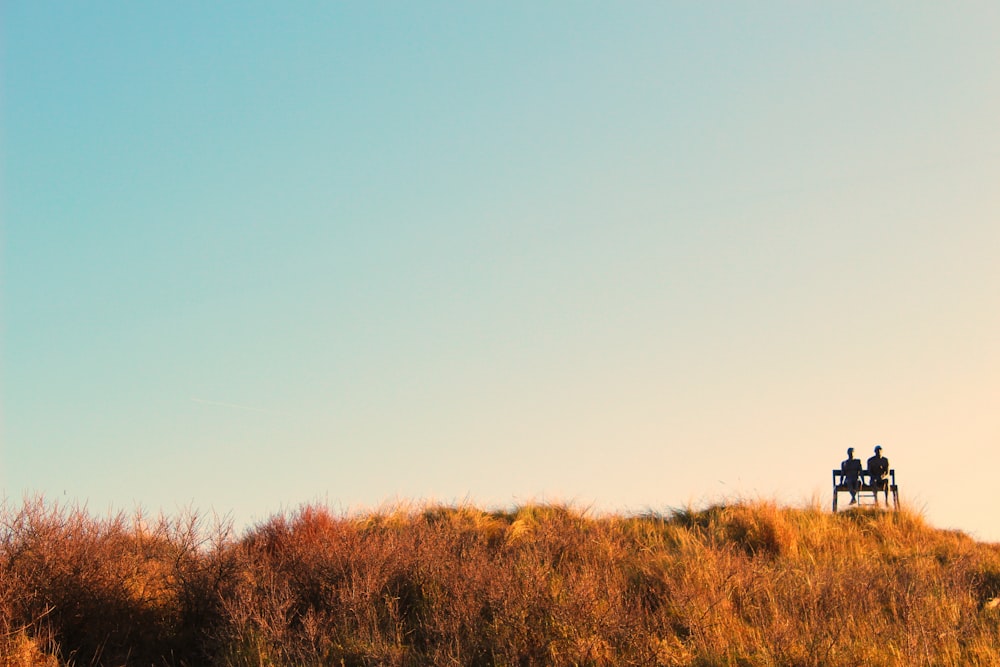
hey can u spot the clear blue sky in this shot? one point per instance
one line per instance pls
(630, 255)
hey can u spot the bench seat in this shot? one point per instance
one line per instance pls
(867, 490)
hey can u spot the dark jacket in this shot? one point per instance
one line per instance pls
(878, 468)
(851, 469)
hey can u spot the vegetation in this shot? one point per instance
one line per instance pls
(736, 585)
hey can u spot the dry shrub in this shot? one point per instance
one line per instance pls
(19, 649)
(103, 591)
(732, 584)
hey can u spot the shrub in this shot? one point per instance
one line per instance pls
(730, 584)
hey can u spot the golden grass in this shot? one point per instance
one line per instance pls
(736, 584)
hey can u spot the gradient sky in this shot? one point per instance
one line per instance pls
(627, 255)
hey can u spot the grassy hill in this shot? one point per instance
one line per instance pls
(738, 584)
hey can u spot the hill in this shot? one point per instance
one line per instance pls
(733, 584)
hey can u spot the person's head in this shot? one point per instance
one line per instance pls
(878, 451)
(850, 452)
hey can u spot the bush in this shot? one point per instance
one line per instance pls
(733, 584)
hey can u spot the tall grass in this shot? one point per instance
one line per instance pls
(729, 585)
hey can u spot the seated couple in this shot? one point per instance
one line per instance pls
(851, 473)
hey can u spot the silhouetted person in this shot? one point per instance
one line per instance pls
(878, 474)
(850, 474)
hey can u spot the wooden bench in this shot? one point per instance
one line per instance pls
(866, 490)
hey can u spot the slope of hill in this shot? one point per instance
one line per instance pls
(734, 584)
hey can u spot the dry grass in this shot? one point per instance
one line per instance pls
(728, 585)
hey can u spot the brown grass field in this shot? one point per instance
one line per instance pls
(736, 584)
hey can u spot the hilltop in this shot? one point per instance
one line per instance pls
(736, 584)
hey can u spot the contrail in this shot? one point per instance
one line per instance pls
(235, 406)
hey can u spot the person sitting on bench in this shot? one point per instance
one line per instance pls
(850, 469)
(878, 474)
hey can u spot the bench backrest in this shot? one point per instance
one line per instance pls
(838, 476)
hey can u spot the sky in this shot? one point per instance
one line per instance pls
(630, 256)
